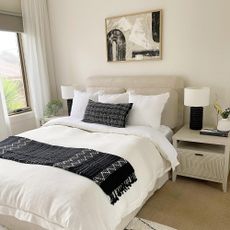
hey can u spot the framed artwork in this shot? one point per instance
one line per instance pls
(134, 37)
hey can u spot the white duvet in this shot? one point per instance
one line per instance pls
(56, 199)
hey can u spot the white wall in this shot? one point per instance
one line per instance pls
(11, 5)
(196, 42)
(22, 122)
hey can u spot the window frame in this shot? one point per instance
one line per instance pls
(24, 78)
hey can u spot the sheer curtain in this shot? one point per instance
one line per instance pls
(5, 129)
(38, 54)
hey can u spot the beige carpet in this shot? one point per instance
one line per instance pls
(142, 224)
(190, 204)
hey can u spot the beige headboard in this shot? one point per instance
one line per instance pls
(173, 113)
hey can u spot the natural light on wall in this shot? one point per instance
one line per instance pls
(12, 73)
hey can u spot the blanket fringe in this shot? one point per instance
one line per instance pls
(122, 188)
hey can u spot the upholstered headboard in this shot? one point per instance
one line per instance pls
(147, 85)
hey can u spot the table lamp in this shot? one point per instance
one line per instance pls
(196, 98)
(67, 93)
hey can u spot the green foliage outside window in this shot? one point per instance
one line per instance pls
(13, 91)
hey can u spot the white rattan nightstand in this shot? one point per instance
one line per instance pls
(202, 156)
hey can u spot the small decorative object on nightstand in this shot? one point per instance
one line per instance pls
(196, 98)
(202, 156)
(67, 93)
(53, 108)
(224, 122)
(214, 132)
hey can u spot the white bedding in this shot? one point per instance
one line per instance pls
(167, 132)
(56, 199)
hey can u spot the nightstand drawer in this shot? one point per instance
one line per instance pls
(198, 164)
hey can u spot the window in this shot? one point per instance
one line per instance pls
(12, 72)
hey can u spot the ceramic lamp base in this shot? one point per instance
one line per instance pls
(196, 118)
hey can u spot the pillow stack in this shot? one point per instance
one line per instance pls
(80, 102)
(147, 109)
(119, 109)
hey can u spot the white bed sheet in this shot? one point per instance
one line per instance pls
(56, 199)
(167, 132)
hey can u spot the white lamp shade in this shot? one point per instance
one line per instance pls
(67, 92)
(196, 96)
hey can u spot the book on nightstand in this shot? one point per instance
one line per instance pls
(214, 132)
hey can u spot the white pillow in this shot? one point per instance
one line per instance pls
(80, 102)
(147, 109)
(114, 98)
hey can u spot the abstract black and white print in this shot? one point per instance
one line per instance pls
(134, 37)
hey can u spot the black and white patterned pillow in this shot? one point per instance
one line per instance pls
(107, 114)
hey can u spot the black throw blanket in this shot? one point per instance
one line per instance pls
(113, 174)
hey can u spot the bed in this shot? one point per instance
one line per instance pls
(39, 197)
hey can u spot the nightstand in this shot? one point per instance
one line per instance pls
(202, 156)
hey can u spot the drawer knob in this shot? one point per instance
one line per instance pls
(199, 154)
